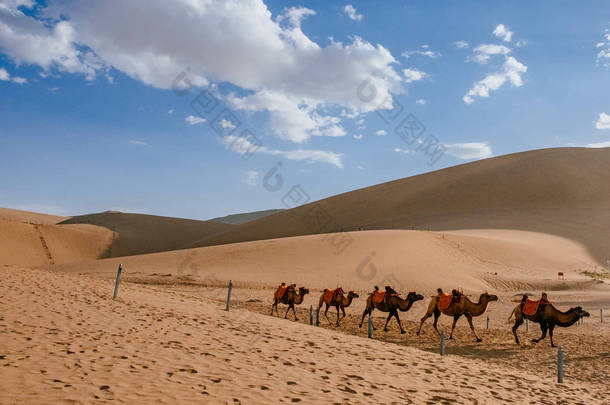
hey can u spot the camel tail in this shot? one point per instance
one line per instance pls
(511, 315)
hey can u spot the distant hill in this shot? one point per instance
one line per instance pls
(138, 233)
(238, 219)
(32, 239)
(560, 191)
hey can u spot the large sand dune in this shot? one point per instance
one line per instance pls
(139, 233)
(31, 239)
(564, 192)
(421, 260)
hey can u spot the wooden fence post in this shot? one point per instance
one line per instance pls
(560, 365)
(527, 325)
(370, 326)
(118, 280)
(442, 343)
(229, 295)
(318, 316)
(488, 322)
(311, 314)
(601, 315)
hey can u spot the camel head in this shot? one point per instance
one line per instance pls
(489, 297)
(303, 291)
(581, 312)
(413, 296)
(352, 295)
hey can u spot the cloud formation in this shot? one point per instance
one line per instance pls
(469, 150)
(250, 178)
(603, 122)
(510, 71)
(413, 75)
(192, 120)
(351, 13)
(5, 76)
(235, 41)
(503, 33)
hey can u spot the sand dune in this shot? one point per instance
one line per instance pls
(138, 233)
(64, 340)
(564, 192)
(31, 239)
(421, 260)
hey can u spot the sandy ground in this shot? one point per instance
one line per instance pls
(65, 340)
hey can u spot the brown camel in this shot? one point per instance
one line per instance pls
(338, 301)
(456, 309)
(548, 317)
(393, 304)
(290, 298)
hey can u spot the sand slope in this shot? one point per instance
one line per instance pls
(31, 239)
(64, 340)
(138, 233)
(564, 192)
(420, 260)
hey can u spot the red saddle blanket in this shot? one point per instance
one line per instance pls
(281, 290)
(444, 301)
(530, 307)
(330, 295)
(378, 297)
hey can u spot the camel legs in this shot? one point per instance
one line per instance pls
(326, 316)
(469, 318)
(366, 312)
(293, 311)
(343, 311)
(338, 318)
(543, 328)
(274, 306)
(393, 314)
(437, 314)
(455, 319)
(423, 319)
(518, 322)
(551, 327)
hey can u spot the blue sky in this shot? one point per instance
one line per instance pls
(96, 96)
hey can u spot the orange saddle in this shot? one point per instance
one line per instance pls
(530, 307)
(281, 290)
(378, 297)
(330, 295)
(444, 301)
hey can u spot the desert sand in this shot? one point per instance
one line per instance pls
(505, 225)
(65, 340)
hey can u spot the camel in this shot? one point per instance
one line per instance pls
(338, 301)
(456, 309)
(290, 298)
(548, 317)
(392, 305)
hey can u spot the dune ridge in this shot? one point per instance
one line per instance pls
(560, 191)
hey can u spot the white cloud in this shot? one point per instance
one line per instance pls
(420, 101)
(511, 71)
(244, 146)
(358, 136)
(6, 76)
(603, 122)
(399, 150)
(381, 132)
(136, 142)
(482, 53)
(502, 32)
(412, 75)
(469, 150)
(234, 41)
(170, 111)
(192, 120)
(350, 11)
(359, 167)
(425, 51)
(599, 145)
(603, 55)
(250, 178)
(461, 44)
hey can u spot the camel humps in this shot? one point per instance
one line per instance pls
(548, 317)
(392, 304)
(288, 295)
(456, 308)
(336, 298)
